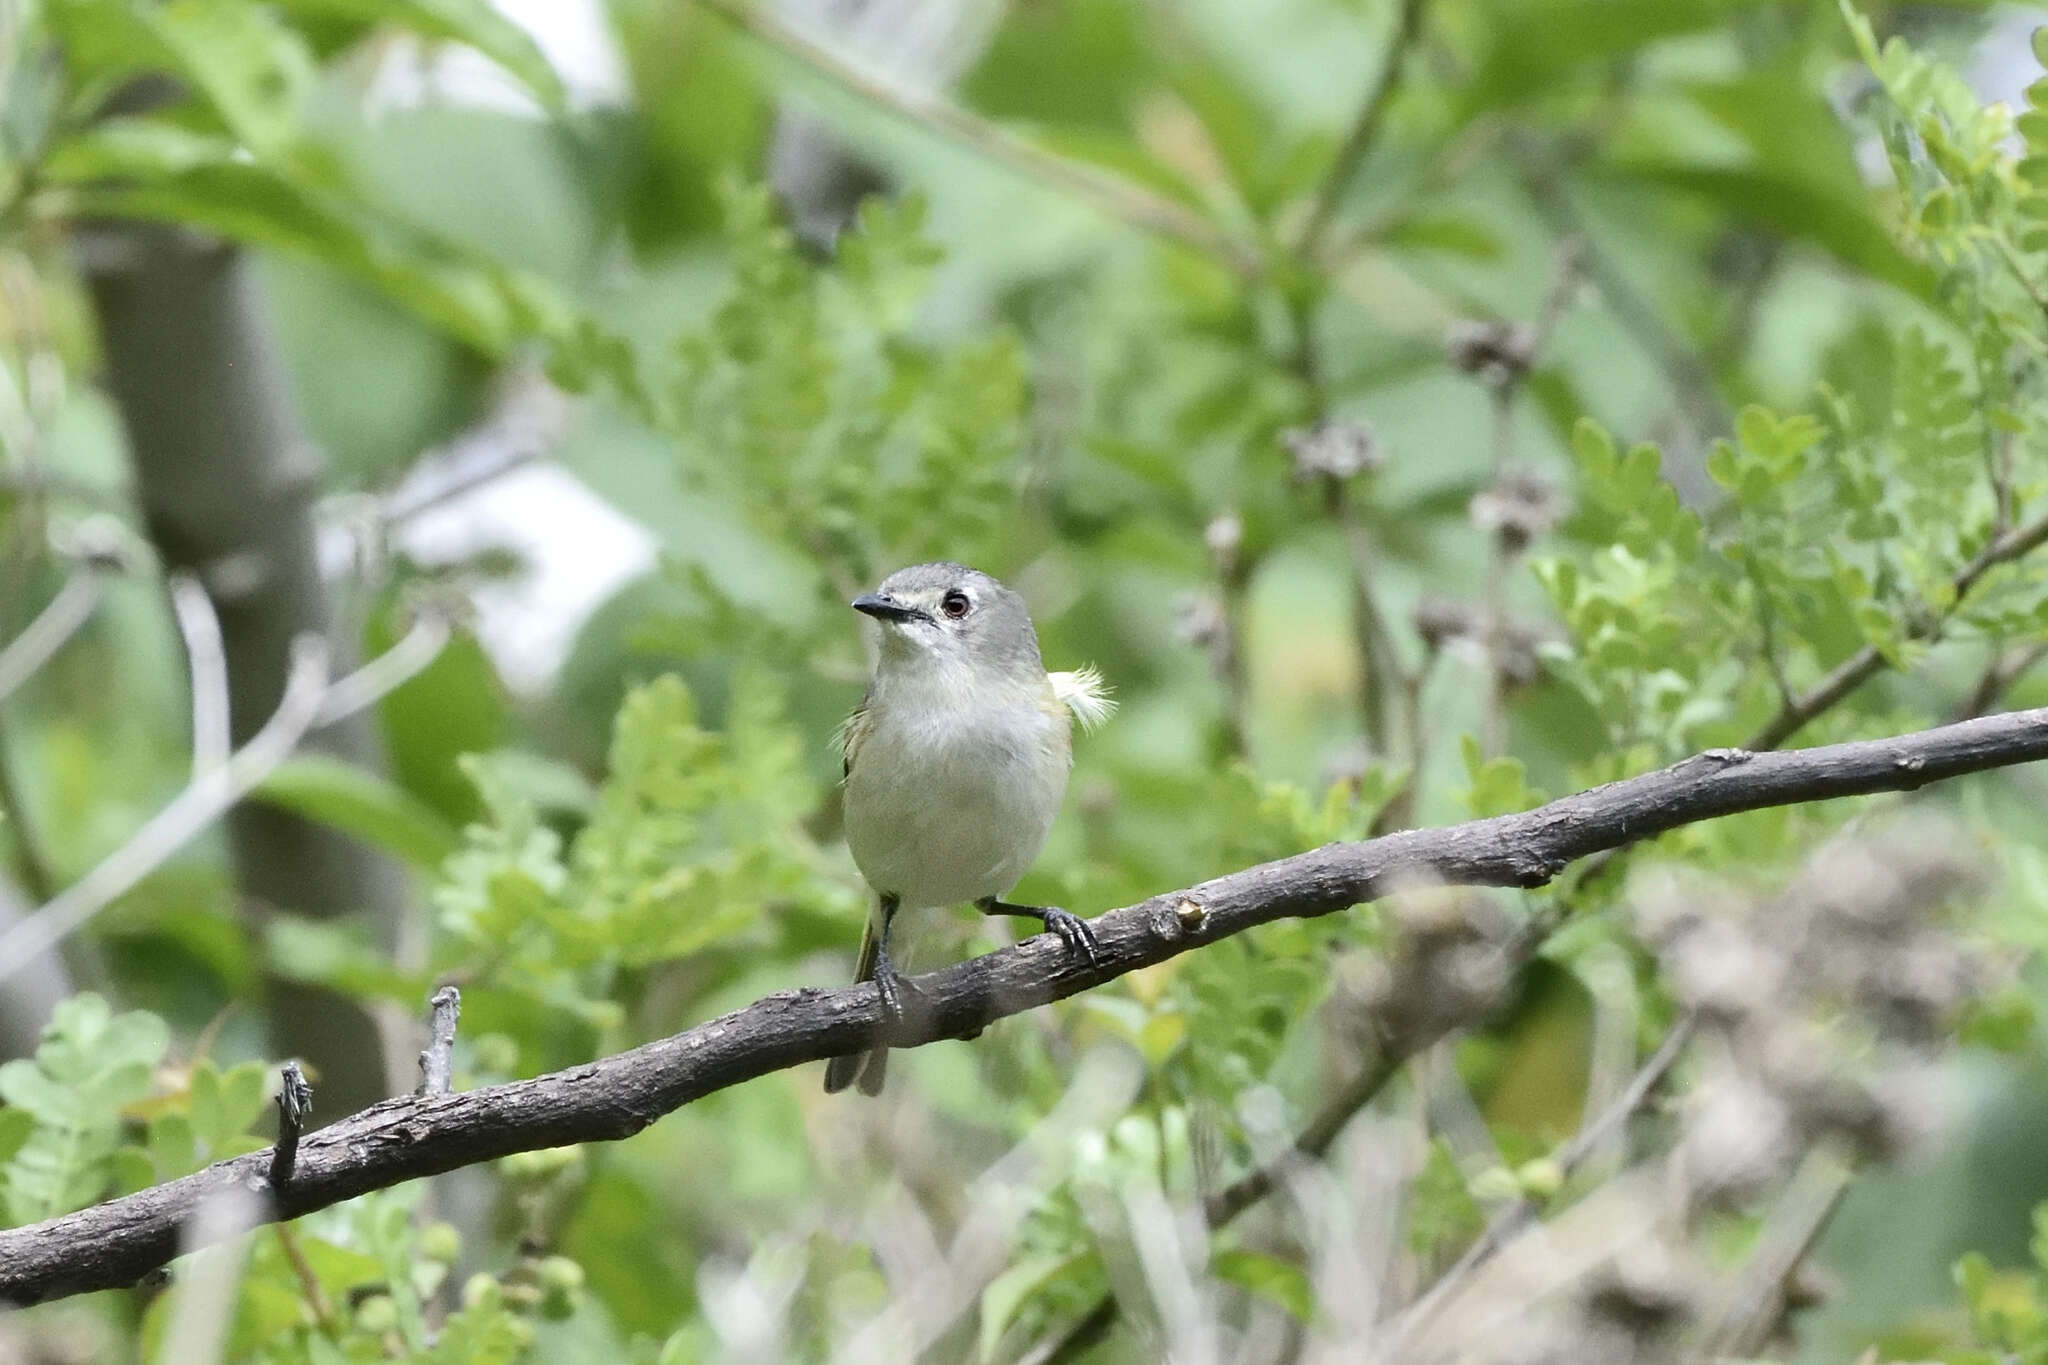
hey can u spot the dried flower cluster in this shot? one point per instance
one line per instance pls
(1332, 450)
(1493, 352)
(1448, 623)
(1822, 1008)
(1519, 507)
(1443, 967)
(1820, 1012)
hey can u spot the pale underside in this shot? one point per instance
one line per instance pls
(950, 790)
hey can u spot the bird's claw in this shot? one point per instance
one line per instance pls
(1074, 932)
(888, 986)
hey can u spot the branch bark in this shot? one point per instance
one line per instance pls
(402, 1139)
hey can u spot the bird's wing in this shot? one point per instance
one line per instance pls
(853, 732)
(1085, 694)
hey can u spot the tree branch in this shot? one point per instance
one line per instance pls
(411, 1136)
(1858, 668)
(1365, 130)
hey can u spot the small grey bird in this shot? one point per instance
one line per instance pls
(956, 764)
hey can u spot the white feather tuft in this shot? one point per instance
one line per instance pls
(1085, 694)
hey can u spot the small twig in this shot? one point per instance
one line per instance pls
(437, 1061)
(1853, 671)
(294, 1103)
(2001, 483)
(1756, 1303)
(317, 1302)
(202, 802)
(1111, 194)
(2019, 271)
(1365, 130)
(2005, 669)
(1688, 374)
(369, 684)
(54, 624)
(206, 660)
(1767, 627)
(32, 864)
(308, 702)
(522, 427)
(1386, 682)
(1512, 1217)
(1505, 380)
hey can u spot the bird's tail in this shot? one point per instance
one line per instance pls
(872, 1066)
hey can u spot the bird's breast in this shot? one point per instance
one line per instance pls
(949, 803)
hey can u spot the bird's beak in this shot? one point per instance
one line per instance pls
(885, 608)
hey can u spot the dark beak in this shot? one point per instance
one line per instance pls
(884, 608)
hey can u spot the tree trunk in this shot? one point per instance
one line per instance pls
(226, 480)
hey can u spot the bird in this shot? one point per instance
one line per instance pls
(955, 764)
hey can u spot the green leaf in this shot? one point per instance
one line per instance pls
(454, 706)
(480, 303)
(1008, 1292)
(374, 809)
(1270, 1278)
(474, 23)
(1840, 224)
(250, 71)
(1453, 234)
(90, 1065)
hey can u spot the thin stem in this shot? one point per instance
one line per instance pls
(437, 1061)
(1687, 373)
(308, 702)
(1853, 671)
(1230, 663)
(1365, 130)
(1767, 627)
(1757, 1301)
(1110, 194)
(54, 624)
(2005, 669)
(206, 661)
(317, 1302)
(1385, 682)
(31, 864)
(1512, 1217)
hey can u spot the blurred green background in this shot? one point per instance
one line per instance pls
(637, 336)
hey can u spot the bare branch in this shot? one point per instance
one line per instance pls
(308, 702)
(437, 1061)
(1858, 668)
(614, 1097)
(1513, 1217)
(202, 802)
(54, 624)
(206, 661)
(294, 1102)
(369, 684)
(1365, 129)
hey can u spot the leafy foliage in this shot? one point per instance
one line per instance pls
(63, 1116)
(1376, 507)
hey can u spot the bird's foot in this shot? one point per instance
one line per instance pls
(1074, 932)
(890, 985)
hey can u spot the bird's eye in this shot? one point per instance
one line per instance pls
(955, 604)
